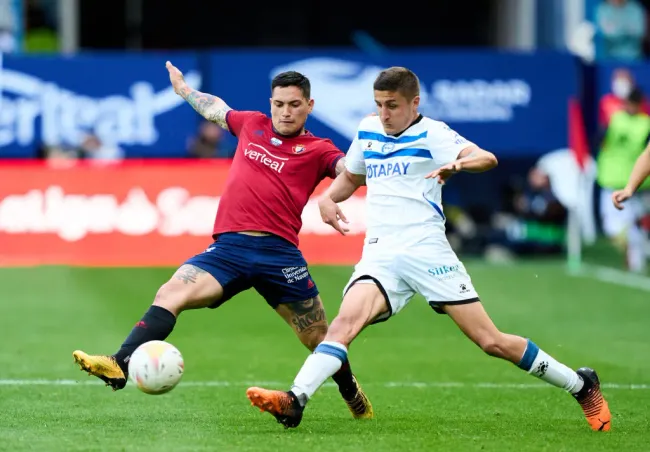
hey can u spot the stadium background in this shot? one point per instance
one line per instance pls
(85, 242)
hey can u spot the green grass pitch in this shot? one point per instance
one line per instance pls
(431, 388)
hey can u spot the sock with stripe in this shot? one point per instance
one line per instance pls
(539, 364)
(327, 359)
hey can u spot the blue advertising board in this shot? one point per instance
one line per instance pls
(124, 99)
(511, 104)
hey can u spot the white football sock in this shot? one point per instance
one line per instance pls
(326, 360)
(636, 249)
(539, 364)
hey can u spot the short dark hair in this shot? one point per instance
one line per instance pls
(292, 78)
(636, 96)
(398, 79)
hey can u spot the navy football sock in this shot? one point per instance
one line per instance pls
(343, 378)
(156, 324)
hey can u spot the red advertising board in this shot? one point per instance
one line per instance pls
(136, 213)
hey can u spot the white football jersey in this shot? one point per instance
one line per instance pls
(401, 205)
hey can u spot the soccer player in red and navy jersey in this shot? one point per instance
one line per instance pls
(276, 167)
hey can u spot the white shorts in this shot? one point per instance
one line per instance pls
(430, 269)
(616, 221)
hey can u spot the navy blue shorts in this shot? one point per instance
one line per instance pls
(271, 265)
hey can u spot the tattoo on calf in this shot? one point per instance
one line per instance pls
(188, 273)
(307, 313)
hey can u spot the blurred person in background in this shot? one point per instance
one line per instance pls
(92, 148)
(209, 143)
(621, 24)
(624, 141)
(623, 83)
(536, 225)
(8, 42)
(639, 175)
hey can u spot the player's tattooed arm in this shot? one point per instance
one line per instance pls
(210, 107)
(340, 166)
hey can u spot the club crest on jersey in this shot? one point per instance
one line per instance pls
(275, 141)
(297, 149)
(388, 147)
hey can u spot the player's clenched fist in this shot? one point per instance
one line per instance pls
(619, 197)
(331, 213)
(176, 77)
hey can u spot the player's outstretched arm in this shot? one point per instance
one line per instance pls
(640, 172)
(341, 189)
(345, 184)
(210, 107)
(471, 159)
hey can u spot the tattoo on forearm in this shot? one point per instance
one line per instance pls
(188, 273)
(219, 117)
(307, 313)
(210, 107)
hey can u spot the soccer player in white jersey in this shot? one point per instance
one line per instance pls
(404, 159)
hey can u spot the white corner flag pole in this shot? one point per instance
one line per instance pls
(574, 234)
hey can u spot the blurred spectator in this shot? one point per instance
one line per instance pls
(536, 226)
(8, 42)
(57, 153)
(209, 143)
(621, 24)
(93, 148)
(624, 140)
(623, 83)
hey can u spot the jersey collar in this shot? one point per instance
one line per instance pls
(293, 135)
(415, 121)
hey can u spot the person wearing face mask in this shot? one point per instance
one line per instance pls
(622, 85)
(625, 139)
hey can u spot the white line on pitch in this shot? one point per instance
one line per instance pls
(613, 276)
(276, 384)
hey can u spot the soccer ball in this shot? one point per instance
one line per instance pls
(156, 367)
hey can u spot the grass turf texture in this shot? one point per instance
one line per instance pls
(431, 388)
